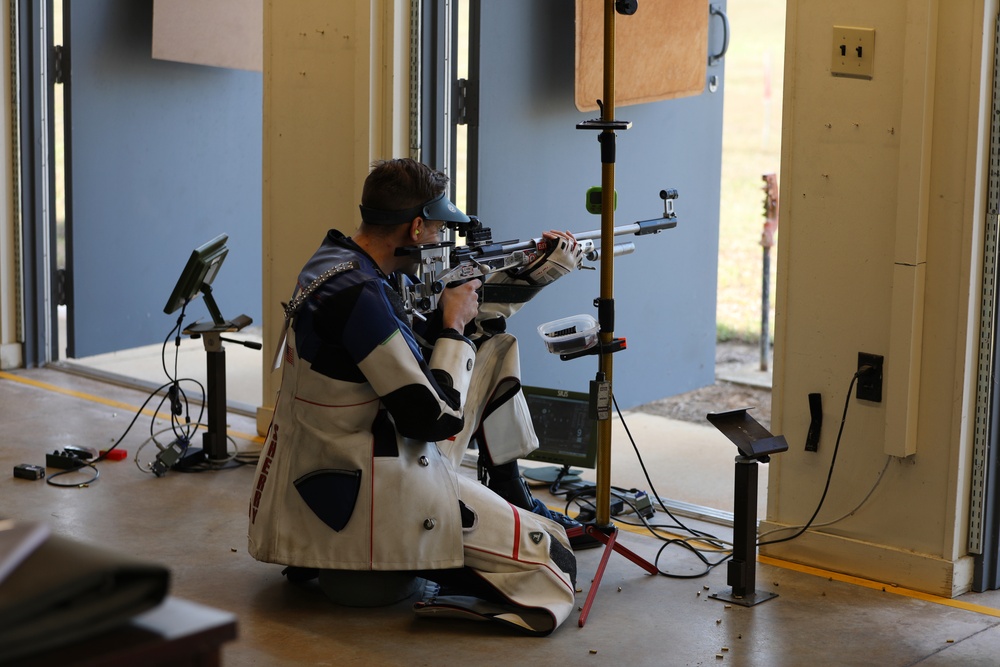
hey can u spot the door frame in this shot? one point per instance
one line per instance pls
(34, 194)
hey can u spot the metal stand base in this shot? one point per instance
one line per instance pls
(748, 600)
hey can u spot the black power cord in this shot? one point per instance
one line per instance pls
(833, 461)
(179, 406)
(715, 544)
(583, 498)
(173, 456)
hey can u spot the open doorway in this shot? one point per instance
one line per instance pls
(751, 149)
(151, 157)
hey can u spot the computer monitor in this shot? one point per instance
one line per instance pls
(196, 278)
(567, 435)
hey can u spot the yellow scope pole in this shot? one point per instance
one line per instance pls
(603, 529)
(603, 517)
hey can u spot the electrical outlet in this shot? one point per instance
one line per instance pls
(870, 381)
(853, 52)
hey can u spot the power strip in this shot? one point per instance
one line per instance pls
(64, 461)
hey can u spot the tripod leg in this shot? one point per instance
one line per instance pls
(636, 558)
(609, 545)
(610, 541)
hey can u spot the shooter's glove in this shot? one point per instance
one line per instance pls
(558, 256)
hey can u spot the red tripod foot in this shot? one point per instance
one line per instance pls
(610, 540)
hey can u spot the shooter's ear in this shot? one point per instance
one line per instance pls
(416, 228)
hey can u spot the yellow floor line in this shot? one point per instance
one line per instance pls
(106, 401)
(845, 578)
(876, 585)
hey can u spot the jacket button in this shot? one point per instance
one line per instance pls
(429, 524)
(468, 365)
(423, 461)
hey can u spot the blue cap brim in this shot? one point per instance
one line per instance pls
(439, 208)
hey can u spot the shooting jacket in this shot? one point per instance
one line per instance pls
(350, 476)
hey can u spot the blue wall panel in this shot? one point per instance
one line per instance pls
(162, 157)
(535, 167)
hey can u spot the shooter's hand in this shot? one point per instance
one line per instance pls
(561, 255)
(565, 246)
(459, 304)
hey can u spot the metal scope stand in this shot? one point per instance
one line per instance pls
(756, 444)
(603, 530)
(214, 440)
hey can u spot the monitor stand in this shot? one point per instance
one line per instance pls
(215, 447)
(552, 474)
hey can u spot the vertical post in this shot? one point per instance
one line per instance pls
(767, 242)
(603, 530)
(743, 566)
(214, 439)
(756, 446)
(606, 302)
(765, 309)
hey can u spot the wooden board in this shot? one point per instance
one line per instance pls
(219, 33)
(661, 52)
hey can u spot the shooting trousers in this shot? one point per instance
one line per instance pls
(496, 414)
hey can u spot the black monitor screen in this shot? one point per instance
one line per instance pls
(566, 433)
(201, 268)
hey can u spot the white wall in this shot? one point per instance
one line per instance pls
(881, 212)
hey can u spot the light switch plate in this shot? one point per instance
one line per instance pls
(853, 52)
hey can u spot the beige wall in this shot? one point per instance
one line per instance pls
(10, 348)
(335, 82)
(881, 218)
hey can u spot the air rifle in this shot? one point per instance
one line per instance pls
(441, 264)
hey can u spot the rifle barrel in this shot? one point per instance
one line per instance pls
(638, 228)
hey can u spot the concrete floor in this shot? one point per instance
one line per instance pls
(196, 525)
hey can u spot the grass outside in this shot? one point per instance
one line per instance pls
(751, 147)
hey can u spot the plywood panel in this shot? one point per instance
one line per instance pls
(661, 52)
(220, 33)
